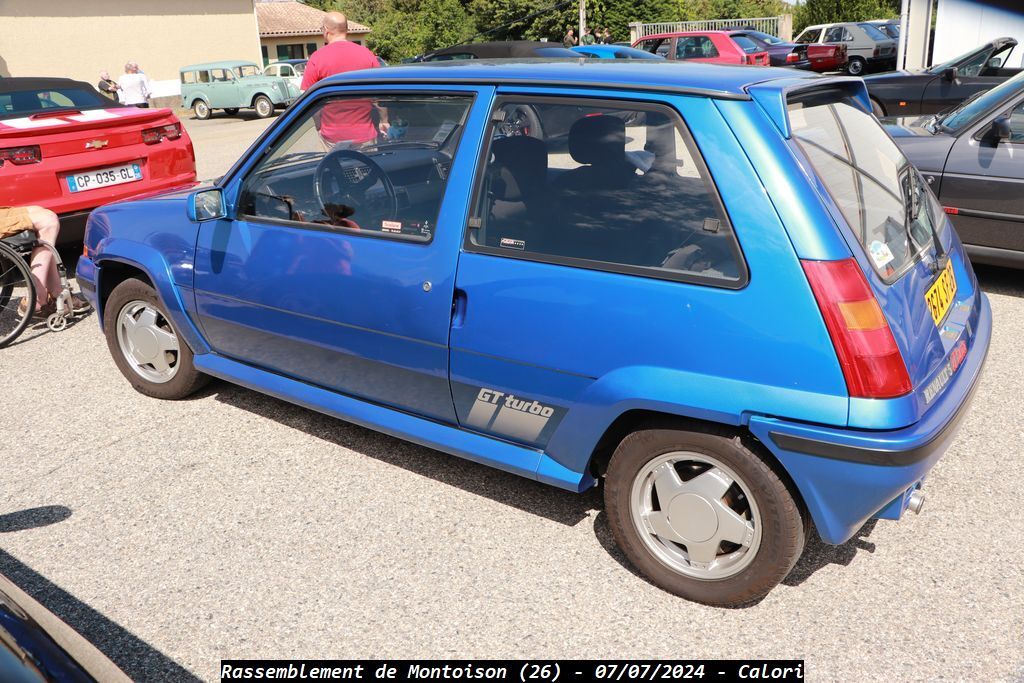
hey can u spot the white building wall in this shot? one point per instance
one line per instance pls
(961, 25)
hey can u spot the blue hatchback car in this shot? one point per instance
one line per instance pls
(722, 291)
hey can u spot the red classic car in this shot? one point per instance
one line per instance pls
(717, 47)
(68, 148)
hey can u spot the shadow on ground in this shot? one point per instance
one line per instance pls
(546, 501)
(33, 518)
(137, 658)
(996, 280)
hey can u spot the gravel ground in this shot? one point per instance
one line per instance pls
(234, 525)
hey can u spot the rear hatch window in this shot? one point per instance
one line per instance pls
(880, 194)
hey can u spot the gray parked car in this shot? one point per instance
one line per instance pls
(232, 85)
(867, 48)
(971, 158)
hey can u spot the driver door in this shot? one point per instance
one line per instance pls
(337, 263)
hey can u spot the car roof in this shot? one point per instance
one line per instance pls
(497, 49)
(225, 64)
(288, 61)
(38, 83)
(681, 34)
(713, 80)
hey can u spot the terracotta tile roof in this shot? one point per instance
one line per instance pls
(291, 18)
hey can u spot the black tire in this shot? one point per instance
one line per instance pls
(856, 66)
(782, 521)
(186, 381)
(201, 110)
(263, 106)
(877, 109)
(231, 111)
(14, 275)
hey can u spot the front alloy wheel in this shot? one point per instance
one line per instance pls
(201, 110)
(263, 106)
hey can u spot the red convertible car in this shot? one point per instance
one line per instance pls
(68, 148)
(716, 47)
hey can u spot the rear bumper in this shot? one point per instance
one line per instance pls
(846, 476)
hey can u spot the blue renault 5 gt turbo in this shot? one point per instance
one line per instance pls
(722, 290)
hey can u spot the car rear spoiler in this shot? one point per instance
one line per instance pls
(772, 96)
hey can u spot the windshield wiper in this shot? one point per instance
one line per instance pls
(916, 191)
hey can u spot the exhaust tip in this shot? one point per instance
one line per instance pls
(916, 501)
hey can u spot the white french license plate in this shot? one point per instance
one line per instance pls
(104, 177)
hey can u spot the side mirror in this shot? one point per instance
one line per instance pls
(995, 62)
(1001, 128)
(949, 74)
(206, 205)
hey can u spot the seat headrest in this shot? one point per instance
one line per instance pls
(598, 140)
(520, 167)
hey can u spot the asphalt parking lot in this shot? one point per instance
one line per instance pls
(234, 525)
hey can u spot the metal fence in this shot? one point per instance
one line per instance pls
(772, 25)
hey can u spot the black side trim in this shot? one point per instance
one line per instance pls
(1007, 258)
(873, 456)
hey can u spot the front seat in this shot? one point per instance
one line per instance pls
(599, 144)
(517, 180)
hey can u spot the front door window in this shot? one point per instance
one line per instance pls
(373, 163)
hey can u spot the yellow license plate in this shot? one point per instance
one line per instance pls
(941, 294)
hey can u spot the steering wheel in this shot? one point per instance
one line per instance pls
(343, 177)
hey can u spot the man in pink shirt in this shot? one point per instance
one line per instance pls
(344, 120)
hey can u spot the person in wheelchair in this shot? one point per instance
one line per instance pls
(45, 277)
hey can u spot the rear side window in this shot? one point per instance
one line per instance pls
(873, 32)
(881, 196)
(605, 186)
(695, 47)
(658, 46)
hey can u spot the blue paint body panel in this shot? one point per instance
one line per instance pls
(524, 365)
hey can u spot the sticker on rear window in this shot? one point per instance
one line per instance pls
(881, 254)
(391, 226)
(510, 243)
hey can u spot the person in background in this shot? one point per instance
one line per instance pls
(588, 37)
(134, 86)
(606, 37)
(569, 39)
(108, 86)
(349, 120)
(46, 225)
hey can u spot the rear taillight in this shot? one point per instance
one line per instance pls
(867, 351)
(171, 131)
(20, 156)
(792, 57)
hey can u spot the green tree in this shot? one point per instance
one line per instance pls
(829, 11)
(411, 27)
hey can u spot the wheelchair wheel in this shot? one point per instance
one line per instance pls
(15, 286)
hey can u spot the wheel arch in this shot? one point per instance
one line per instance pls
(198, 98)
(257, 95)
(879, 103)
(135, 262)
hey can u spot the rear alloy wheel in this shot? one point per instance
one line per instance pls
(702, 515)
(263, 106)
(855, 67)
(201, 110)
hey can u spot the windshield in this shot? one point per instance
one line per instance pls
(978, 56)
(965, 114)
(888, 207)
(300, 68)
(38, 100)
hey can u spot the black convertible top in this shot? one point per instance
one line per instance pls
(39, 83)
(499, 49)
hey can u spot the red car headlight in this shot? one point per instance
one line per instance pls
(20, 156)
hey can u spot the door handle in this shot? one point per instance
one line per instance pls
(459, 302)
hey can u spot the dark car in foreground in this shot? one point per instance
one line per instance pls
(945, 85)
(973, 159)
(728, 295)
(37, 646)
(500, 49)
(815, 57)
